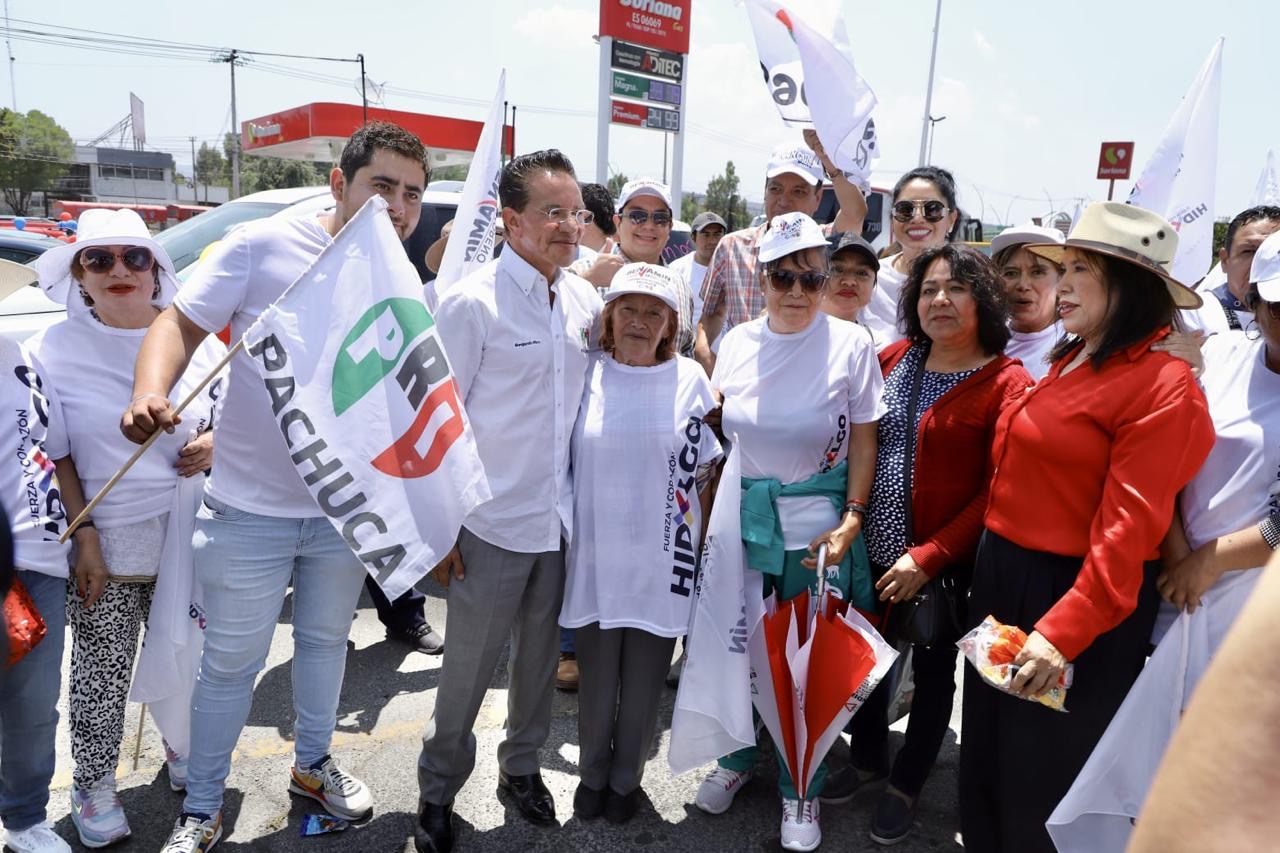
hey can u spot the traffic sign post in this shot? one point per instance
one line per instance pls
(1115, 161)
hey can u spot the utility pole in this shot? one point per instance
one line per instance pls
(13, 77)
(195, 182)
(232, 57)
(928, 94)
(364, 97)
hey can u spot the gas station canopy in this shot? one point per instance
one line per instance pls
(318, 132)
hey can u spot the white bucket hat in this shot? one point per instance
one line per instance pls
(789, 233)
(101, 227)
(646, 280)
(1024, 234)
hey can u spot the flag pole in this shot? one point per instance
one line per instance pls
(115, 478)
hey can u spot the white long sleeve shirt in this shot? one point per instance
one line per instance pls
(520, 363)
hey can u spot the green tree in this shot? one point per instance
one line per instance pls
(449, 173)
(211, 166)
(34, 152)
(689, 207)
(616, 180)
(723, 198)
(1219, 236)
(272, 173)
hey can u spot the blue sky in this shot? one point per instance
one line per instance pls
(1029, 89)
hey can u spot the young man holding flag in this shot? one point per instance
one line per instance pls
(260, 528)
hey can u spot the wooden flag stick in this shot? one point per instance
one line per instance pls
(115, 478)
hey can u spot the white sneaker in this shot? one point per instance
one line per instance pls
(717, 791)
(341, 795)
(800, 827)
(36, 839)
(194, 833)
(98, 814)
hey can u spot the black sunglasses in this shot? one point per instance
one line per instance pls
(640, 217)
(784, 280)
(933, 211)
(136, 258)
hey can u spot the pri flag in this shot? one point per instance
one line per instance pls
(367, 403)
(471, 241)
(712, 715)
(808, 67)
(1179, 179)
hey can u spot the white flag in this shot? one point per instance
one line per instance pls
(1180, 177)
(367, 402)
(808, 67)
(471, 241)
(712, 715)
(1268, 189)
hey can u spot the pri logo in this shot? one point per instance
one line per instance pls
(396, 335)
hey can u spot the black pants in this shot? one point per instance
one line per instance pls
(935, 682)
(404, 614)
(1019, 758)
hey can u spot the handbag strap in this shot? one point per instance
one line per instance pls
(909, 458)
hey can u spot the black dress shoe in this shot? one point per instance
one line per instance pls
(620, 808)
(588, 803)
(421, 637)
(433, 832)
(532, 797)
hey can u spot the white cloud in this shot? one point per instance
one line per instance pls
(984, 47)
(558, 26)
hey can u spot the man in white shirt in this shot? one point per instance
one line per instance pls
(707, 229)
(1224, 307)
(517, 332)
(259, 528)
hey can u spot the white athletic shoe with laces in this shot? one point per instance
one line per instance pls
(800, 827)
(717, 791)
(194, 833)
(341, 795)
(35, 839)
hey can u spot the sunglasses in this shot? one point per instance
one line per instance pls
(933, 211)
(640, 217)
(136, 259)
(783, 280)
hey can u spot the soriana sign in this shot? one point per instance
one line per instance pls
(1115, 160)
(653, 23)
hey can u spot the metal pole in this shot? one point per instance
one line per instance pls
(364, 97)
(1111, 189)
(235, 130)
(513, 130)
(677, 145)
(604, 110)
(502, 143)
(195, 181)
(665, 140)
(8, 45)
(928, 94)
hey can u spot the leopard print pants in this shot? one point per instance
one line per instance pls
(104, 642)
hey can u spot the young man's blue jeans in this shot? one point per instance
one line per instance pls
(29, 710)
(245, 562)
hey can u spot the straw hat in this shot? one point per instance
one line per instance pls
(1128, 233)
(14, 277)
(435, 252)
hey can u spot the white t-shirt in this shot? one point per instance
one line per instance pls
(693, 273)
(881, 313)
(637, 446)
(90, 365)
(31, 437)
(1239, 483)
(1032, 348)
(791, 399)
(249, 270)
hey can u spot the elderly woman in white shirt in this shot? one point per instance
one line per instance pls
(114, 280)
(801, 395)
(640, 455)
(1031, 283)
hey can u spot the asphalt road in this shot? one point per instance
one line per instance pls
(386, 700)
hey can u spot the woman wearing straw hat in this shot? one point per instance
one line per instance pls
(641, 461)
(801, 392)
(1104, 443)
(114, 280)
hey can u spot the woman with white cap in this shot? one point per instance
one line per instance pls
(1104, 442)
(801, 392)
(114, 280)
(641, 455)
(1031, 283)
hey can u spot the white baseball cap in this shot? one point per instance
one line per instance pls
(644, 186)
(1265, 269)
(790, 233)
(647, 280)
(1021, 235)
(797, 160)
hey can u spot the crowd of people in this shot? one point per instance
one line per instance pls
(1030, 435)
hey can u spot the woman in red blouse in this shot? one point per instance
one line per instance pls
(1086, 468)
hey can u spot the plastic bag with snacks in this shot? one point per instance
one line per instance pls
(992, 647)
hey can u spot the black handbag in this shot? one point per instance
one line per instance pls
(936, 614)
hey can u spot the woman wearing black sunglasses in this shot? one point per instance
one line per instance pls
(801, 397)
(925, 217)
(114, 280)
